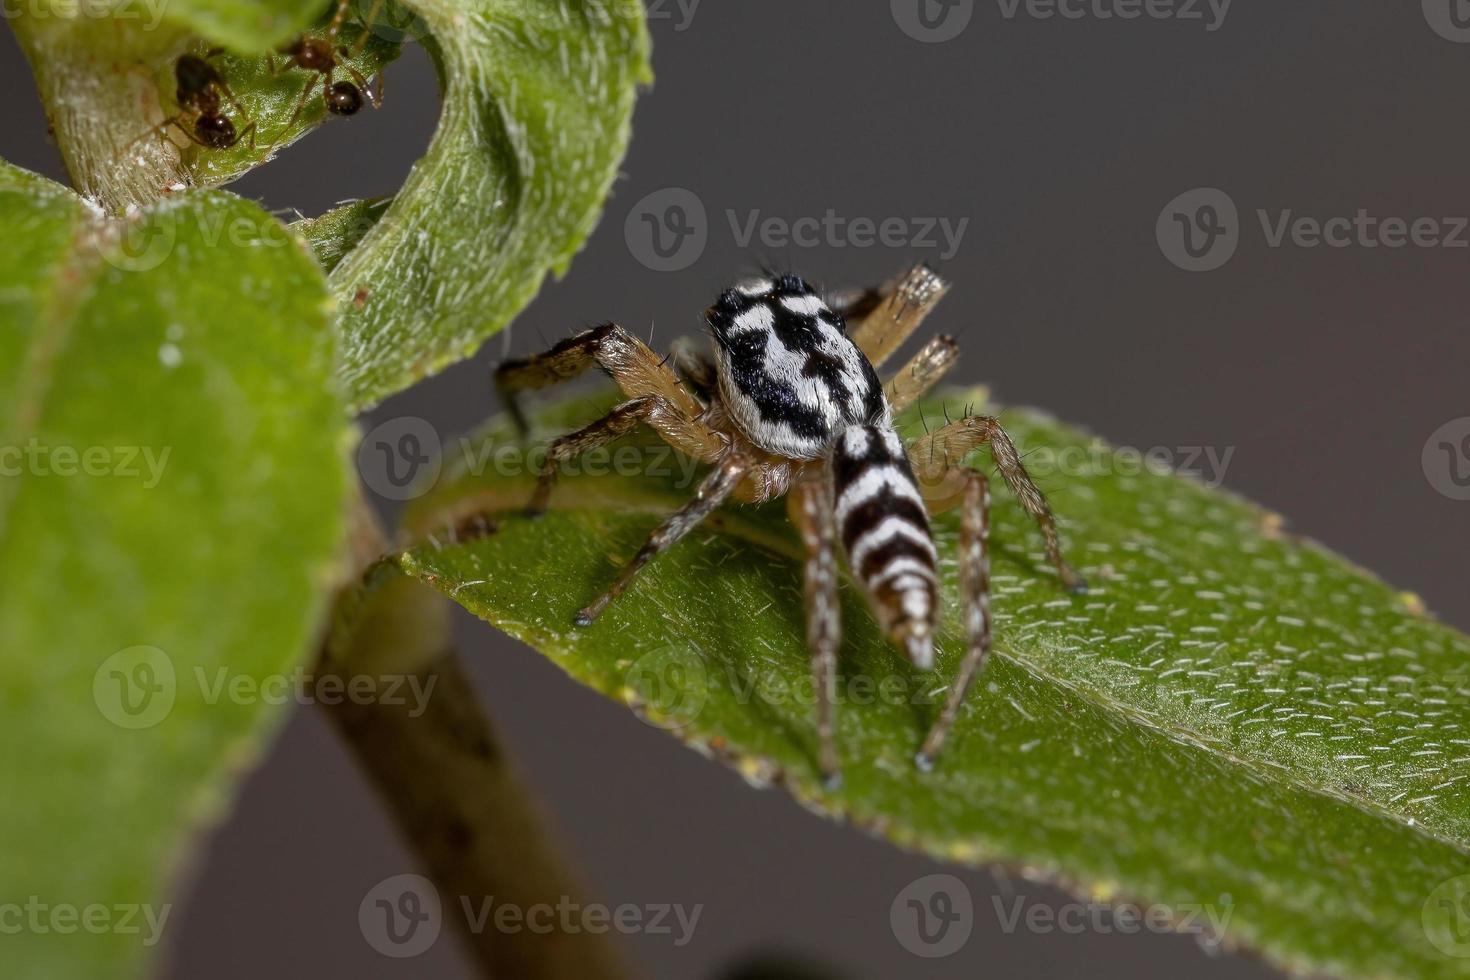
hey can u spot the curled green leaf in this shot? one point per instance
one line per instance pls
(538, 98)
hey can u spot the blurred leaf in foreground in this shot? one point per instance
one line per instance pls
(172, 498)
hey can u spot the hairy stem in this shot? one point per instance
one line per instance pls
(97, 81)
(446, 780)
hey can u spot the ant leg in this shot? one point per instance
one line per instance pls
(300, 104)
(375, 98)
(248, 134)
(229, 94)
(975, 593)
(338, 17)
(367, 28)
(156, 131)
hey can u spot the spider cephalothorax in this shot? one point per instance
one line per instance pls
(791, 404)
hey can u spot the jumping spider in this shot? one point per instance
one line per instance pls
(791, 404)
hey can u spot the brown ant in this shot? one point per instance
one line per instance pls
(198, 96)
(324, 56)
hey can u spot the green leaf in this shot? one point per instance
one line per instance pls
(537, 107)
(1232, 724)
(172, 498)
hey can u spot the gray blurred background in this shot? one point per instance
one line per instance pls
(1060, 143)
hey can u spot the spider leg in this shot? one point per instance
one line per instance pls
(653, 410)
(922, 372)
(629, 361)
(693, 366)
(975, 593)
(812, 511)
(881, 330)
(717, 486)
(937, 454)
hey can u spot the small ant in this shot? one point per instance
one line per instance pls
(324, 56)
(198, 96)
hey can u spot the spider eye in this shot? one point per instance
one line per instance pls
(792, 284)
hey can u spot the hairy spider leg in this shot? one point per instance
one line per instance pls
(892, 319)
(923, 371)
(654, 410)
(712, 492)
(811, 509)
(632, 365)
(975, 600)
(942, 451)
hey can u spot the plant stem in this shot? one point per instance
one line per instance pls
(449, 786)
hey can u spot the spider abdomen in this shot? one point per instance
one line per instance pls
(790, 378)
(883, 525)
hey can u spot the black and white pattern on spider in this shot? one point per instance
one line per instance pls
(788, 374)
(791, 403)
(881, 520)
